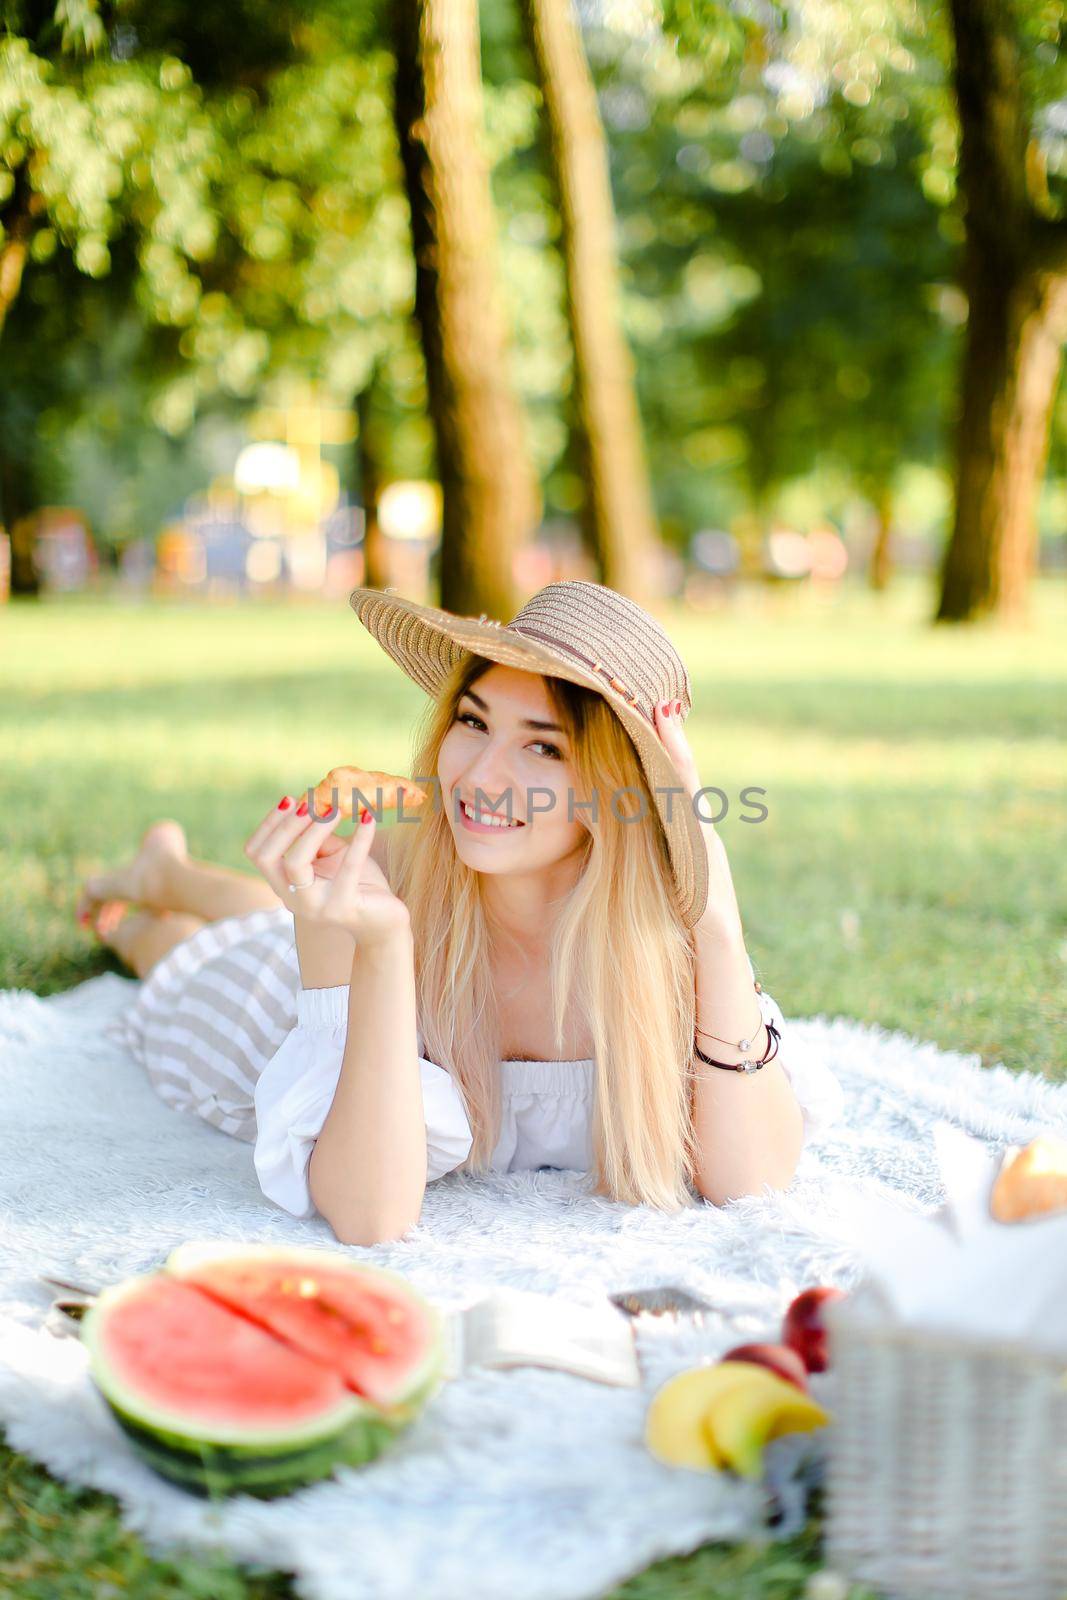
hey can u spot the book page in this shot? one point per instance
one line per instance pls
(514, 1327)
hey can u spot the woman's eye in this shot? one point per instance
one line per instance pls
(469, 717)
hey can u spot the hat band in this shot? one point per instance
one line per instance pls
(597, 666)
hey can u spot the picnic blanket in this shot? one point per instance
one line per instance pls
(529, 1483)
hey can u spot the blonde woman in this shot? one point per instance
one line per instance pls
(546, 968)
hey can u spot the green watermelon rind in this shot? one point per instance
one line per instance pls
(425, 1377)
(173, 1427)
(364, 1431)
(210, 1471)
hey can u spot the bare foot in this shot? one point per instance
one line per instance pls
(140, 880)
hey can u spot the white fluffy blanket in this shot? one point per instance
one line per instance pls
(526, 1483)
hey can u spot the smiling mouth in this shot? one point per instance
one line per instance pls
(488, 820)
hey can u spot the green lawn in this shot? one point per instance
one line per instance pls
(909, 872)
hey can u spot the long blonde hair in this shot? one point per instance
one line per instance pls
(620, 953)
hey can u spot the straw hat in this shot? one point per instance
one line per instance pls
(588, 634)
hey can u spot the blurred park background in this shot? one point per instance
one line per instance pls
(754, 311)
(461, 298)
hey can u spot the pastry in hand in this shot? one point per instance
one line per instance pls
(1032, 1180)
(382, 792)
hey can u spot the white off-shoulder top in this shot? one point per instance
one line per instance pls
(546, 1116)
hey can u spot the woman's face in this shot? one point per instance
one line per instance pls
(523, 772)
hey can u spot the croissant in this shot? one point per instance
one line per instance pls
(1032, 1180)
(382, 791)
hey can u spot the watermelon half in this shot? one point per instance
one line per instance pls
(257, 1368)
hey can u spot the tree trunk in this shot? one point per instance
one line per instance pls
(18, 499)
(623, 519)
(18, 221)
(1016, 283)
(17, 505)
(12, 260)
(375, 550)
(490, 490)
(880, 568)
(1010, 371)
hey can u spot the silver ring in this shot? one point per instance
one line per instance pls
(303, 885)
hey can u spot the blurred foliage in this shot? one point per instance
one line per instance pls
(218, 204)
(788, 297)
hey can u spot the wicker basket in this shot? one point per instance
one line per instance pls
(946, 1466)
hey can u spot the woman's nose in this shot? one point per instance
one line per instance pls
(489, 774)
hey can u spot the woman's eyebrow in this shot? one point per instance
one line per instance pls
(528, 722)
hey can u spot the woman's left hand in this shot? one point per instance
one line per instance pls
(671, 729)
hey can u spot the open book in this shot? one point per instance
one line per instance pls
(516, 1328)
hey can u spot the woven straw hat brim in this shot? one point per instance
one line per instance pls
(426, 643)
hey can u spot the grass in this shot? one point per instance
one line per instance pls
(908, 872)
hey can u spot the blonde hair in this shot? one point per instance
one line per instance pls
(621, 953)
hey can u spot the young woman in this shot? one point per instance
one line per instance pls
(545, 968)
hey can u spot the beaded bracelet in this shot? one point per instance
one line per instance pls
(742, 1044)
(774, 1039)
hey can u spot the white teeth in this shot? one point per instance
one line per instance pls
(491, 822)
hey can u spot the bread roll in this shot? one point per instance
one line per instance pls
(379, 790)
(1032, 1180)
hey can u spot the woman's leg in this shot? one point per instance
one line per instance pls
(209, 891)
(162, 876)
(141, 938)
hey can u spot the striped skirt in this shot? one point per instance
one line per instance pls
(212, 1012)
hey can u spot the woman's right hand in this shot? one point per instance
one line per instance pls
(338, 882)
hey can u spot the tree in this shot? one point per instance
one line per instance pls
(104, 134)
(982, 82)
(1015, 277)
(483, 457)
(240, 162)
(620, 513)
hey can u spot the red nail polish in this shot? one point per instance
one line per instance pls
(666, 711)
(364, 815)
(302, 809)
(677, 708)
(284, 803)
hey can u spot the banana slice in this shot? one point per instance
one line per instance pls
(674, 1422)
(745, 1415)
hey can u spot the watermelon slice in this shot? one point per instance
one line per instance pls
(363, 1322)
(257, 1368)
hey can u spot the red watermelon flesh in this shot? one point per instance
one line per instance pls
(194, 1361)
(361, 1323)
